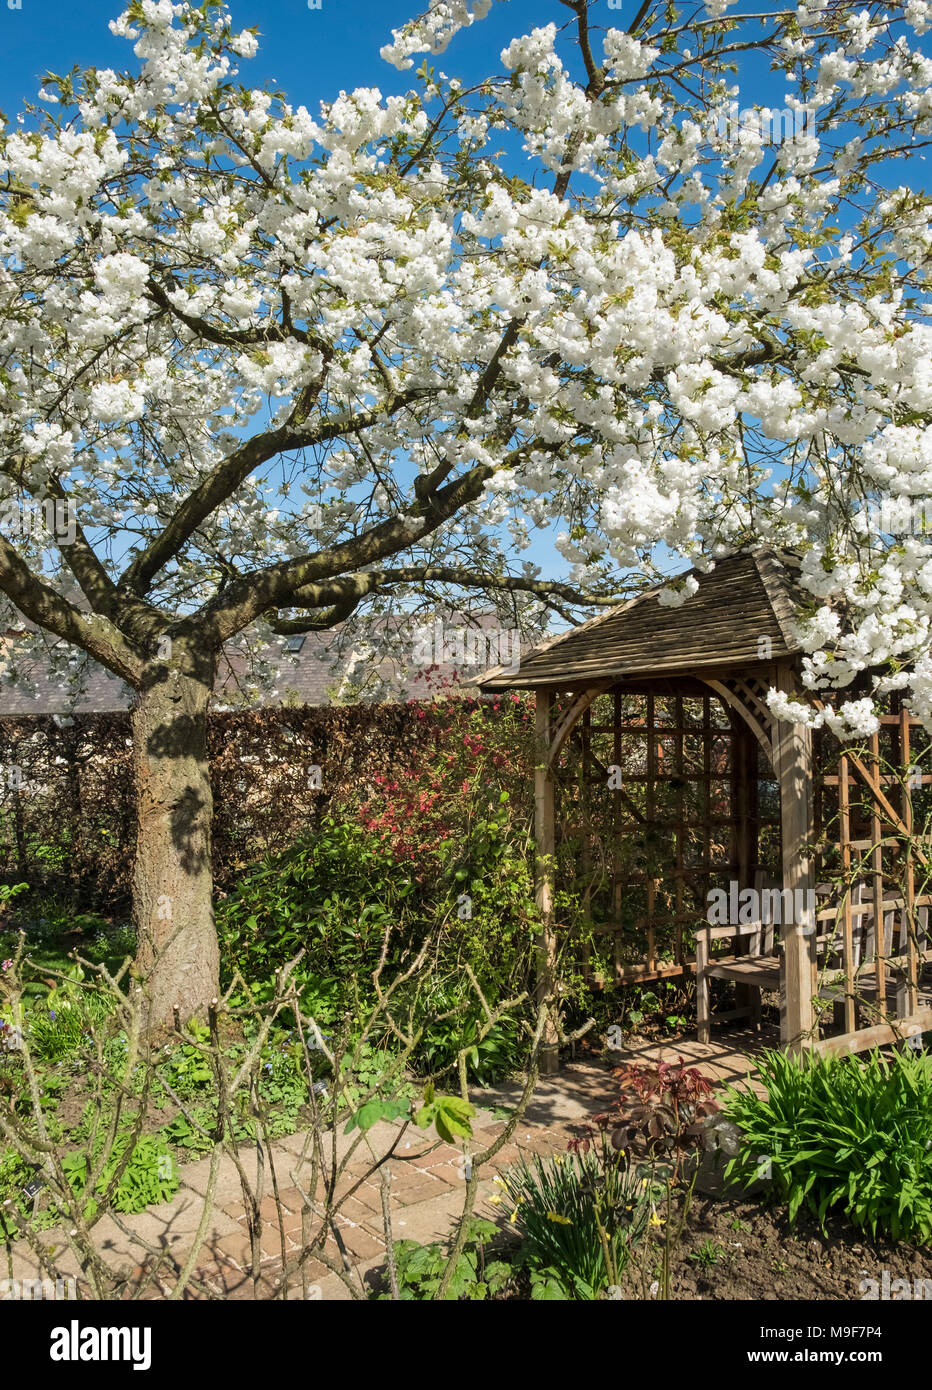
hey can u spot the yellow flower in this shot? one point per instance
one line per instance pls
(494, 1201)
(561, 1220)
(514, 1215)
(655, 1220)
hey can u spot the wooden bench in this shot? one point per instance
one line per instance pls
(758, 967)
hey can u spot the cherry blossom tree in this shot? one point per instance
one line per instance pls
(274, 368)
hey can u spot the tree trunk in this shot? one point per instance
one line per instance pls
(177, 953)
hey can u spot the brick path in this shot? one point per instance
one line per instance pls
(426, 1186)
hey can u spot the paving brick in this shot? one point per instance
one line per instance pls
(314, 1275)
(370, 1195)
(404, 1177)
(224, 1280)
(289, 1177)
(356, 1170)
(270, 1242)
(229, 1189)
(291, 1198)
(546, 1144)
(426, 1193)
(450, 1174)
(509, 1153)
(268, 1210)
(358, 1241)
(421, 1191)
(352, 1183)
(141, 1286)
(353, 1210)
(435, 1158)
(292, 1225)
(234, 1250)
(246, 1289)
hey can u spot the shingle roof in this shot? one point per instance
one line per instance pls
(747, 596)
(329, 664)
(99, 692)
(313, 679)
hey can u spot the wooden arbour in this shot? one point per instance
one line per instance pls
(707, 666)
(746, 723)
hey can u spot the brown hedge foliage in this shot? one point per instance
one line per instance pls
(67, 803)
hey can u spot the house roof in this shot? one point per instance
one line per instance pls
(748, 596)
(96, 691)
(311, 676)
(329, 665)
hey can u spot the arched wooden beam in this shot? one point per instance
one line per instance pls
(736, 703)
(588, 696)
(575, 712)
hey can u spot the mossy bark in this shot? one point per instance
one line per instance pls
(177, 954)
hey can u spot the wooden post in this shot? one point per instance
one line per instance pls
(794, 769)
(849, 1012)
(911, 992)
(880, 933)
(545, 840)
(703, 1000)
(650, 812)
(583, 807)
(742, 855)
(679, 847)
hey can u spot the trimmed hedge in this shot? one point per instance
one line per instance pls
(70, 827)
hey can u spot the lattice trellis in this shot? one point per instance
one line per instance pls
(873, 816)
(658, 800)
(748, 697)
(663, 791)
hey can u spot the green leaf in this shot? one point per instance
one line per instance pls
(365, 1117)
(452, 1118)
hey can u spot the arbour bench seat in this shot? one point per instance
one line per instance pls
(761, 966)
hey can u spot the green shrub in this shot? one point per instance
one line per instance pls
(150, 1175)
(420, 1268)
(331, 894)
(111, 944)
(45, 916)
(55, 1033)
(500, 1051)
(15, 1176)
(64, 1017)
(847, 1133)
(335, 893)
(573, 1211)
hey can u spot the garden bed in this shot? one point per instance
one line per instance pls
(742, 1248)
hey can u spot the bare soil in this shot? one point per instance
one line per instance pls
(735, 1247)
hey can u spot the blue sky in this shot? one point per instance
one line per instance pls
(310, 53)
